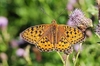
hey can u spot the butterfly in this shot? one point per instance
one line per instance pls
(50, 37)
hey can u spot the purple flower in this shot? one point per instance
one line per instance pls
(3, 56)
(72, 1)
(77, 13)
(77, 47)
(98, 29)
(20, 52)
(77, 19)
(3, 22)
(70, 5)
(15, 43)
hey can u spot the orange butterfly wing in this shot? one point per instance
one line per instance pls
(40, 36)
(67, 36)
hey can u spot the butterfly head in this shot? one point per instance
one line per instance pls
(54, 22)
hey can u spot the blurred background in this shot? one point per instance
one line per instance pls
(17, 15)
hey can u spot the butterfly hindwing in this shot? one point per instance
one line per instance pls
(45, 44)
(62, 44)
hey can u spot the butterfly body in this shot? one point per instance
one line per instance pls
(49, 37)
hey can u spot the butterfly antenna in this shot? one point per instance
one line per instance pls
(42, 9)
(61, 13)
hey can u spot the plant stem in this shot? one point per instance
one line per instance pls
(77, 55)
(97, 35)
(61, 58)
(66, 59)
(26, 55)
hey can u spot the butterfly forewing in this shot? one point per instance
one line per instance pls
(35, 33)
(73, 35)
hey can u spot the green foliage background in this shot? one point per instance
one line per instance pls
(22, 14)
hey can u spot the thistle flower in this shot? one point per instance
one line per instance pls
(78, 19)
(97, 30)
